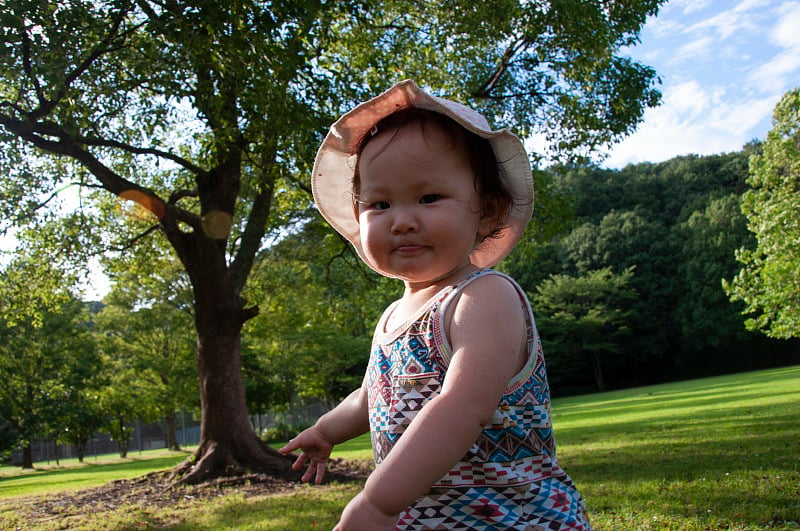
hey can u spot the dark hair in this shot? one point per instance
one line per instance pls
(496, 198)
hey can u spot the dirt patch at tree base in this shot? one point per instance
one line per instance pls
(156, 490)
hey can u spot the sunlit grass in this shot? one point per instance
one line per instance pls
(70, 475)
(358, 448)
(715, 453)
(307, 508)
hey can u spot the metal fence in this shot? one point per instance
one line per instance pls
(153, 436)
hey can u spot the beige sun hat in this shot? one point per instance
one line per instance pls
(332, 177)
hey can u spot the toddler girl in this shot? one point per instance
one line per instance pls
(455, 395)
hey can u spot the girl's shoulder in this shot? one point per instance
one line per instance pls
(485, 296)
(487, 322)
(489, 287)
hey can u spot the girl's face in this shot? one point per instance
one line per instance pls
(418, 210)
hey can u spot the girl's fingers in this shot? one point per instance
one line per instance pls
(316, 470)
(312, 465)
(300, 461)
(321, 466)
(290, 446)
(316, 467)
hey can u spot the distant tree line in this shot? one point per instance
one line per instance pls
(626, 275)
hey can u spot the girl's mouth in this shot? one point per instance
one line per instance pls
(408, 249)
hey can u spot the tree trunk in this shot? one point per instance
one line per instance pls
(172, 438)
(122, 436)
(122, 448)
(228, 444)
(80, 448)
(27, 456)
(597, 368)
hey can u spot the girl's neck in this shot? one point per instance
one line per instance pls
(416, 296)
(422, 291)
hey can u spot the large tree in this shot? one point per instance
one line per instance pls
(207, 115)
(769, 281)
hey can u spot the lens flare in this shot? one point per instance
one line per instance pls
(217, 224)
(145, 205)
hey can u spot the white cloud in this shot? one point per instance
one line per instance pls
(786, 33)
(698, 48)
(688, 6)
(692, 120)
(687, 98)
(724, 24)
(751, 5)
(779, 72)
(661, 27)
(746, 16)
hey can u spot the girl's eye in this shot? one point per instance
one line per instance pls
(429, 198)
(380, 205)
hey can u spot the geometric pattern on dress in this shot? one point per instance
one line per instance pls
(510, 473)
(557, 506)
(506, 445)
(382, 443)
(412, 392)
(520, 471)
(551, 505)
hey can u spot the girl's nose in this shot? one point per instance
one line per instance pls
(404, 221)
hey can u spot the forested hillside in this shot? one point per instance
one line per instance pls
(625, 268)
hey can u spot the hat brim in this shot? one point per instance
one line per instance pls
(332, 176)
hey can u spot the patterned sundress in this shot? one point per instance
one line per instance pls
(510, 477)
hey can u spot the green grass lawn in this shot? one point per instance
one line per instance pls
(714, 453)
(70, 475)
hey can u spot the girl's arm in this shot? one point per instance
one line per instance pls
(347, 420)
(488, 336)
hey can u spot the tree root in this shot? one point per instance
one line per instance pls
(213, 461)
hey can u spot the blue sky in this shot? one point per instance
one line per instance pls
(724, 64)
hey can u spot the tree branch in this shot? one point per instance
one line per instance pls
(28, 66)
(100, 142)
(177, 195)
(136, 239)
(256, 222)
(485, 90)
(109, 180)
(45, 105)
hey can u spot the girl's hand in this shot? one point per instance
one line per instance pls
(360, 515)
(315, 451)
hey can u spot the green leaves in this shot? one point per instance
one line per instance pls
(582, 319)
(46, 363)
(210, 109)
(769, 281)
(226, 104)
